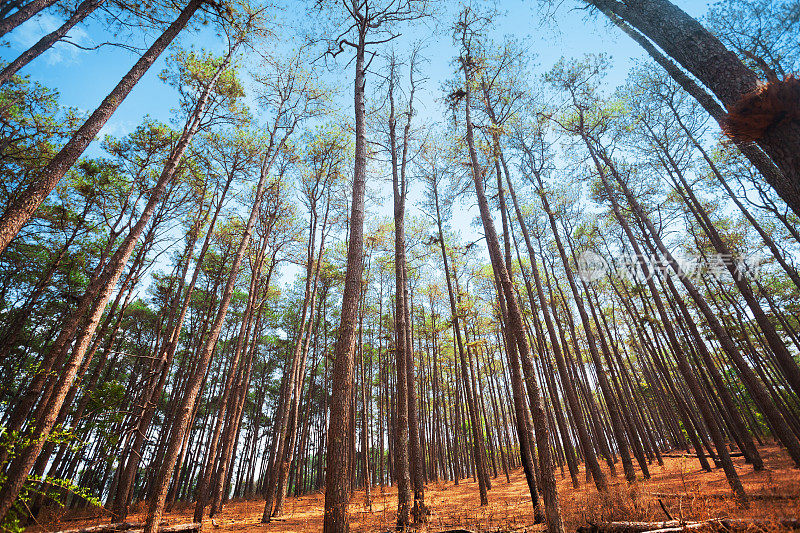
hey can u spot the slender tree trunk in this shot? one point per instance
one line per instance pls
(291, 435)
(93, 304)
(754, 385)
(187, 403)
(204, 482)
(605, 387)
(785, 360)
(516, 325)
(566, 381)
(337, 485)
(23, 13)
(401, 433)
(476, 435)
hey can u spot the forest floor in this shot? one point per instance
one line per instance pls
(686, 491)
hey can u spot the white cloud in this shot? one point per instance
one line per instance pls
(117, 128)
(30, 32)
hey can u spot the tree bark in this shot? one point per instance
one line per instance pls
(337, 485)
(23, 13)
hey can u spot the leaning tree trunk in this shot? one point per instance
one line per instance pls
(92, 305)
(605, 387)
(752, 382)
(592, 464)
(699, 52)
(128, 474)
(745, 440)
(683, 364)
(184, 410)
(784, 359)
(202, 488)
(23, 13)
(568, 451)
(25, 204)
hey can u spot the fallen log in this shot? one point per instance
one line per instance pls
(694, 456)
(674, 526)
(718, 496)
(103, 528)
(626, 527)
(442, 531)
(134, 527)
(731, 524)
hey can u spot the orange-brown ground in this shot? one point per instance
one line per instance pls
(694, 495)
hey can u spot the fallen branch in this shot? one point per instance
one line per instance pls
(664, 508)
(134, 527)
(674, 526)
(177, 528)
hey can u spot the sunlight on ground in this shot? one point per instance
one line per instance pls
(685, 490)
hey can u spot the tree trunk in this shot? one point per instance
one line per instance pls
(337, 482)
(186, 406)
(705, 57)
(93, 304)
(401, 433)
(516, 325)
(605, 387)
(753, 384)
(23, 13)
(566, 381)
(477, 440)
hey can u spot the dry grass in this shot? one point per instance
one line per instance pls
(694, 495)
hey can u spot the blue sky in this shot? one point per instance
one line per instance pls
(83, 78)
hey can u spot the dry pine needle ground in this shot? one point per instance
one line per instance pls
(686, 491)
